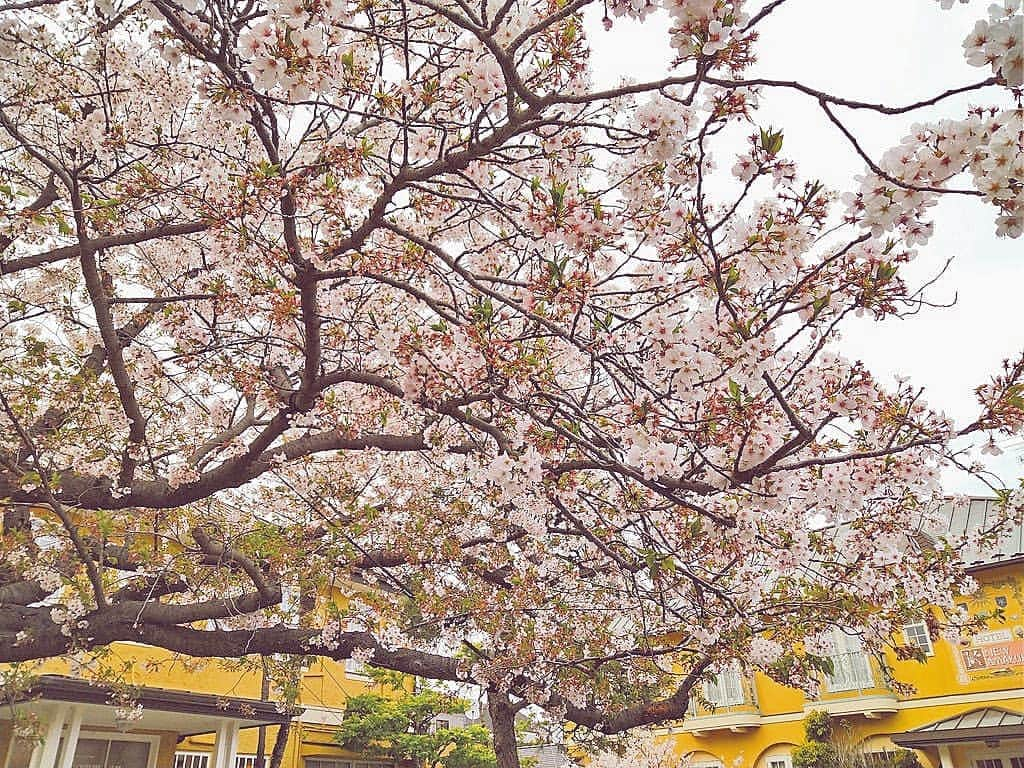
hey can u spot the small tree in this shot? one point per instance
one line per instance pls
(397, 724)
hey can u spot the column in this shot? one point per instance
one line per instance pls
(45, 754)
(71, 738)
(225, 745)
(945, 757)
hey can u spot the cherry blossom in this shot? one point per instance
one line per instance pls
(319, 293)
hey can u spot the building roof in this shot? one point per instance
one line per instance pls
(977, 515)
(252, 712)
(991, 723)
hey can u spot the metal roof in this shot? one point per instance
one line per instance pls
(991, 723)
(978, 514)
(979, 718)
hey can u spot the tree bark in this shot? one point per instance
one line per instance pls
(277, 756)
(261, 737)
(503, 729)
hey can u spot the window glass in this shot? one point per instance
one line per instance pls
(355, 667)
(128, 754)
(245, 761)
(916, 634)
(990, 763)
(726, 689)
(90, 753)
(191, 760)
(779, 762)
(851, 669)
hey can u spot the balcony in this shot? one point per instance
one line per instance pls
(729, 704)
(855, 687)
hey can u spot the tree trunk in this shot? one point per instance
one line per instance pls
(261, 738)
(503, 729)
(279, 744)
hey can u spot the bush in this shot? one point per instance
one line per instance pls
(906, 758)
(814, 754)
(818, 726)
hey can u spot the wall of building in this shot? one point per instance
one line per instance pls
(985, 672)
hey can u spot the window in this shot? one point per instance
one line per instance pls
(779, 762)
(355, 668)
(1000, 762)
(110, 753)
(1001, 601)
(851, 669)
(726, 689)
(245, 761)
(916, 635)
(442, 725)
(191, 760)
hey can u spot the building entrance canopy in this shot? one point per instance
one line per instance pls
(990, 724)
(81, 720)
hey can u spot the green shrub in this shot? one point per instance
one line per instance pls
(818, 726)
(814, 754)
(906, 758)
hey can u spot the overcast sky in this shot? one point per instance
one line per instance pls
(893, 53)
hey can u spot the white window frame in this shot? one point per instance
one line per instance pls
(355, 668)
(188, 753)
(245, 760)
(713, 688)
(780, 761)
(855, 664)
(921, 630)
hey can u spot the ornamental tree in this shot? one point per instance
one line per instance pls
(310, 292)
(403, 727)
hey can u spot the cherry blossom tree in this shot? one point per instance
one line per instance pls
(315, 293)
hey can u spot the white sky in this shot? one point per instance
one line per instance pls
(893, 52)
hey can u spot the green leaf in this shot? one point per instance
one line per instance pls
(771, 141)
(558, 196)
(735, 392)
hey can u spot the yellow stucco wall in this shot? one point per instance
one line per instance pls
(324, 684)
(943, 687)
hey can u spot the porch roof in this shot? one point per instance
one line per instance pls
(192, 713)
(988, 724)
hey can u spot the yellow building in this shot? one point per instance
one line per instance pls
(182, 712)
(189, 717)
(967, 710)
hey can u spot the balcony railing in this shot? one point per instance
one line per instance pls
(856, 686)
(740, 714)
